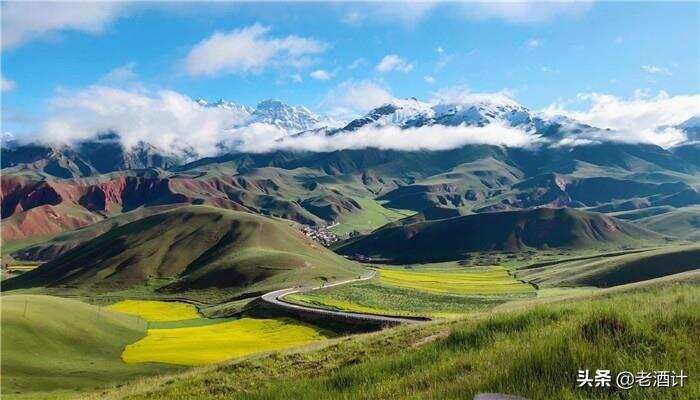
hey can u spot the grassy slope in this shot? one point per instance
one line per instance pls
(533, 350)
(196, 250)
(618, 270)
(682, 222)
(63, 344)
(51, 247)
(372, 216)
(453, 238)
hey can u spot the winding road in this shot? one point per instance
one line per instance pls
(276, 298)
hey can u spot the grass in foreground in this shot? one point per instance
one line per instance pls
(156, 310)
(222, 341)
(532, 351)
(51, 343)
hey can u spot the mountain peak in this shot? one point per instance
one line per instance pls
(283, 116)
(691, 123)
(481, 109)
(225, 105)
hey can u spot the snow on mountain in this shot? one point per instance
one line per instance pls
(474, 111)
(290, 119)
(284, 117)
(398, 112)
(227, 105)
(691, 128)
(7, 140)
(482, 111)
(692, 123)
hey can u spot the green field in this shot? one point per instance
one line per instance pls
(58, 345)
(372, 216)
(532, 350)
(436, 290)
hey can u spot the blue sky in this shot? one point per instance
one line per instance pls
(539, 54)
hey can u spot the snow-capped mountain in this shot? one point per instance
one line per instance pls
(290, 119)
(7, 140)
(691, 128)
(479, 111)
(284, 117)
(398, 112)
(227, 105)
(483, 111)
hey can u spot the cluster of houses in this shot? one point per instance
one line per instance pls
(324, 236)
(321, 234)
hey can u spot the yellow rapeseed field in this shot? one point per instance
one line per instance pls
(156, 310)
(491, 281)
(218, 342)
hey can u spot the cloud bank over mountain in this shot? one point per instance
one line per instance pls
(389, 137)
(643, 118)
(176, 123)
(165, 119)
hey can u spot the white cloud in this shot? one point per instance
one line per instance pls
(320, 75)
(653, 69)
(24, 21)
(166, 119)
(641, 119)
(393, 62)
(534, 43)
(248, 49)
(389, 137)
(6, 85)
(429, 79)
(350, 98)
(525, 12)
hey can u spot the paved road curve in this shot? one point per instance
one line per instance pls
(276, 298)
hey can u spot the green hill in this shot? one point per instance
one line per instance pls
(193, 248)
(452, 238)
(683, 223)
(617, 270)
(51, 343)
(61, 243)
